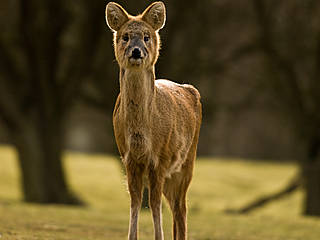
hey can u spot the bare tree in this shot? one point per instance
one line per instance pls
(289, 43)
(46, 52)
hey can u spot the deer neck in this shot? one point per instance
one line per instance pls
(137, 95)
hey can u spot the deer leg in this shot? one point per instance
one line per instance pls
(177, 202)
(170, 197)
(175, 190)
(135, 186)
(155, 191)
(180, 211)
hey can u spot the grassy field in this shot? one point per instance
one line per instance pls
(218, 184)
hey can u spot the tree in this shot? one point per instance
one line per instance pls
(47, 50)
(291, 50)
(288, 44)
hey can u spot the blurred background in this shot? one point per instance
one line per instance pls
(256, 64)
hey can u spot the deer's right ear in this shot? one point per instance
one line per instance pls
(116, 16)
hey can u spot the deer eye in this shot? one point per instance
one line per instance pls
(146, 38)
(125, 38)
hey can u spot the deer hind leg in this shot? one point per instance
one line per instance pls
(135, 185)
(155, 193)
(175, 190)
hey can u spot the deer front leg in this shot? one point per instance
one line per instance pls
(135, 186)
(155, 191)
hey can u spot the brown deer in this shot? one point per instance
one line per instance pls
(156, 122)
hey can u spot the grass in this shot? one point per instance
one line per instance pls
(218, 184)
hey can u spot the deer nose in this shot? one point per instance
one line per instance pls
(136, 53)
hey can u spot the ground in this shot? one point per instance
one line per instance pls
(218, 184)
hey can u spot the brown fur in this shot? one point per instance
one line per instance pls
(156, 122)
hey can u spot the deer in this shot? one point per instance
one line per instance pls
(156, 122)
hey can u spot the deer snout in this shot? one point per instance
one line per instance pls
(136, 53)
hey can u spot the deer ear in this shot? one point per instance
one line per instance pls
(155, 15)
(116, 16)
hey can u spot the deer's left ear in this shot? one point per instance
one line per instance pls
(155, 15)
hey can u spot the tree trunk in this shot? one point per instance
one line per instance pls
(312, 187)
(311, 172)
(39, 147)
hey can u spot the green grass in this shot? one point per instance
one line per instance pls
(218, 184)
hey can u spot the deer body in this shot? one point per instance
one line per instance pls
(156, 122)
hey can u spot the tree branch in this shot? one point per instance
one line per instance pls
(9, 112)
(290, 89)
(98, 103)
(80, 66)
(41, 44)
(26, 38)
(8, 66)
(316, 86)
(249, 101)
(241, 52)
